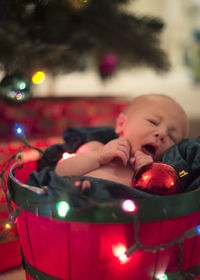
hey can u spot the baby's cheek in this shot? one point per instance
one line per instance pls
(162, 152)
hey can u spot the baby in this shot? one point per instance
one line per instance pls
(149, 126)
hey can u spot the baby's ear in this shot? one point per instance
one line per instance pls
(121, 119)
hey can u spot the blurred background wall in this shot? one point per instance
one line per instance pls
(180, 38)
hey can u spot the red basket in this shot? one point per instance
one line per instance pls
(78, 249)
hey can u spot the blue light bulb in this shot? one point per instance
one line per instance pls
(18, 129)
(198, 229)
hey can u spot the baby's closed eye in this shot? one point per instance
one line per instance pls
(154, 122)
(173, 138)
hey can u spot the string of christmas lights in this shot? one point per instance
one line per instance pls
(192, 232)
(127, 205)
(20, 133)
(10, 223)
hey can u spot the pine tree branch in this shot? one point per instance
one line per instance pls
(54, 36)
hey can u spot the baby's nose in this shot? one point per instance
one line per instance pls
(160, 134)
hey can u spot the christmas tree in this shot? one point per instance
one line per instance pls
(61, 36)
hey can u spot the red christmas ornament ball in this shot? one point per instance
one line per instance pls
(108, 64)
(156, 178)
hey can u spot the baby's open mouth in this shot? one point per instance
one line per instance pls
(149, 150)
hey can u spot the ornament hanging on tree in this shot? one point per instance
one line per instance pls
(157, 178)
(61, 31)
(15, 88)
(108, 65)
(79, 4)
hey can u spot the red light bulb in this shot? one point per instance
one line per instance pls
(157, 178)
(66, 156)
(129, 206)
(119, 251)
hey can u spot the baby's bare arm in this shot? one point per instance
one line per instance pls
(99, 155)
(78, 164)
(84, 161)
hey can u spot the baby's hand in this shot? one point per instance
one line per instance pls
(140, 159)
(118, 148)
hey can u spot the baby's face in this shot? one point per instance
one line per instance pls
(153, 126)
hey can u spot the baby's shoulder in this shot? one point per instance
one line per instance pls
(89, 146)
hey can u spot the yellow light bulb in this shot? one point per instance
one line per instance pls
(7, 226)
(38, 77)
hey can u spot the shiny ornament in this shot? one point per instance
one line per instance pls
(108, 65)
(157, 178)
(15, 88)
(79, 4)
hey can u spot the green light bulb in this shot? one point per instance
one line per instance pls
(22, 85)
(162, 277)
(62, 208)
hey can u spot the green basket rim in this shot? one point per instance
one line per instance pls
(148, 209)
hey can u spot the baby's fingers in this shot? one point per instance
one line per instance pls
(142, 159)
(123, 156)
(132, 161)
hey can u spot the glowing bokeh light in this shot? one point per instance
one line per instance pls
(162, 277)
(19, 95)
(7, 226)
(62, 208)
(123, 257)
(38, 77)
(18, 129)
(67, 155)
(119, 252)
(22, 85)
(77, 183)
(198, 229)
(129, 206)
